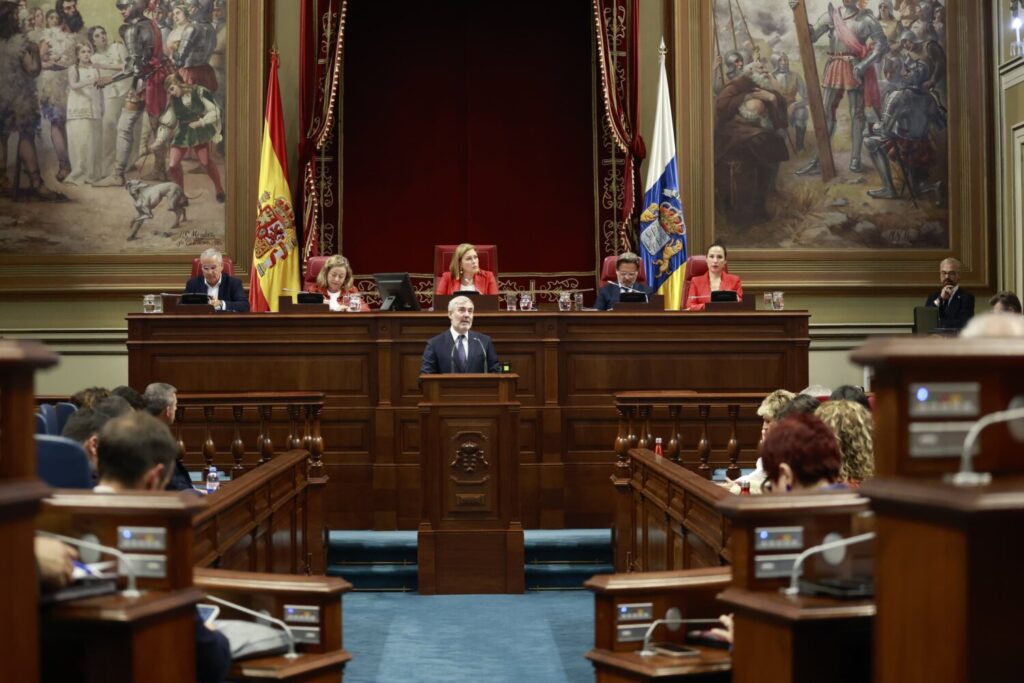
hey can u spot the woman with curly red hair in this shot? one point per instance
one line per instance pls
(801, 453)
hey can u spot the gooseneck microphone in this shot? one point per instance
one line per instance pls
(647, 651)
(292, 654)
(484, 349)
(794, 574)
(126, 564)
(967, 476)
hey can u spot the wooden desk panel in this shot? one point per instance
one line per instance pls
(569, 364)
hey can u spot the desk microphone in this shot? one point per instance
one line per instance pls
(794, 574)
(647, 651)
(292, 654)
(125, 566)
(967, 476)
(482, 348)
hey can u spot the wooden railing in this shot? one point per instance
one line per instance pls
(693, 414)
(302, 408)
(666, 516)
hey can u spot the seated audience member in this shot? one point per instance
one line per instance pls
(801, 403)
(137, 453)
(85, 424)
(769, 411)
(715, 280)
(457, 349)
(854, 430)
(162, 402)
(334, 282)
(54, 563)
(994, 326)
(801, 453)
(955, 304)
(848, 392)
(464, 274)
(226, 293)
(1005, 302)
(86, 397)
(627, 269)
(133, 397)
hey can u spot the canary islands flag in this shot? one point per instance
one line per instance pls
(662, 225)
(275, 252)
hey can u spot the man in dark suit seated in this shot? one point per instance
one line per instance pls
(955, 304)
(457, 349)
(627, 269)
(225, 292)
(137, 453)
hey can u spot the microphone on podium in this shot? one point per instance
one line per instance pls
(647, 650)
(967, 476)
(794, 574)
(125, 562)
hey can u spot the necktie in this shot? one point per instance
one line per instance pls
(460, 352)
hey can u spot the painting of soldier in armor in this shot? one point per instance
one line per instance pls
(847, 152)
(104, 106)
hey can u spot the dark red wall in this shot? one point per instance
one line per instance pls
(468, 120)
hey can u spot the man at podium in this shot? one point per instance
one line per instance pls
(457, 349)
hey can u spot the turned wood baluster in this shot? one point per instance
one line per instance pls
(316, 441)
(237, 446)
(179, 417)
(703, 446)
(209, 449)
(264, 444)
(646, 439)
(673, 451)
(733, 448)
(307, 434)
(623, 440)
(294, 440)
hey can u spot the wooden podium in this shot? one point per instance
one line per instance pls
(470, 537)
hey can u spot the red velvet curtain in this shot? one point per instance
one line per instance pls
(617, 36)
(470, 121)
(321, 44)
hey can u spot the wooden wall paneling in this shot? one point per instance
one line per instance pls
(371, 444)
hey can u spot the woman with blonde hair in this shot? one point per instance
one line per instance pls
(334, 282)
(854, 429)
(464, 274)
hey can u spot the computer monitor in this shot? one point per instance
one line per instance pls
(396, 292)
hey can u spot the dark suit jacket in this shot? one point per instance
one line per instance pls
(231, 291)
(439, 356)
(213, 654)
(608, 295)
(955, 313)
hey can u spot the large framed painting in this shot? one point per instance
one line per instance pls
(129, 137)
(838, 144)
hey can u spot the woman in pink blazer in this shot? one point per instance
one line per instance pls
(465, 274)
(715, 280)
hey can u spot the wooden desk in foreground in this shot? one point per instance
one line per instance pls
(569, 364)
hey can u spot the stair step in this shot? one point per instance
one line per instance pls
(577, 545)
(371, 547)
(377, 576)
(562, 576)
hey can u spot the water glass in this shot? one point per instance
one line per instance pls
(158, 303)
(525, 302)
(565, 301)
(355, 302)
(778, 301)
(149, 303)
(578, 299)
(510, 301)
(767, 301)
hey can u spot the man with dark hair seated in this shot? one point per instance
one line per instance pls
(133, 397)
(801, 403)
(87, 397)
(1005, 302)
(137, 453)
(848, 392)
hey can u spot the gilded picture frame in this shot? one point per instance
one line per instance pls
(97, 269)
(971, 150)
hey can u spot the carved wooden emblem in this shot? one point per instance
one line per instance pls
(469, 456)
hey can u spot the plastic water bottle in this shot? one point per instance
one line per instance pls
(212, 480)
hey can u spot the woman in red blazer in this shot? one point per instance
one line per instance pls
(465, 274)
(715, 280)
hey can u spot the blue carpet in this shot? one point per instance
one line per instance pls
(536, 637)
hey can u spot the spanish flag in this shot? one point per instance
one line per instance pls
(275, 253)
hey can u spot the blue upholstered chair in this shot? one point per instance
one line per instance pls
(40, 424)
(62, 462)
(49, 413)
(64, 411)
